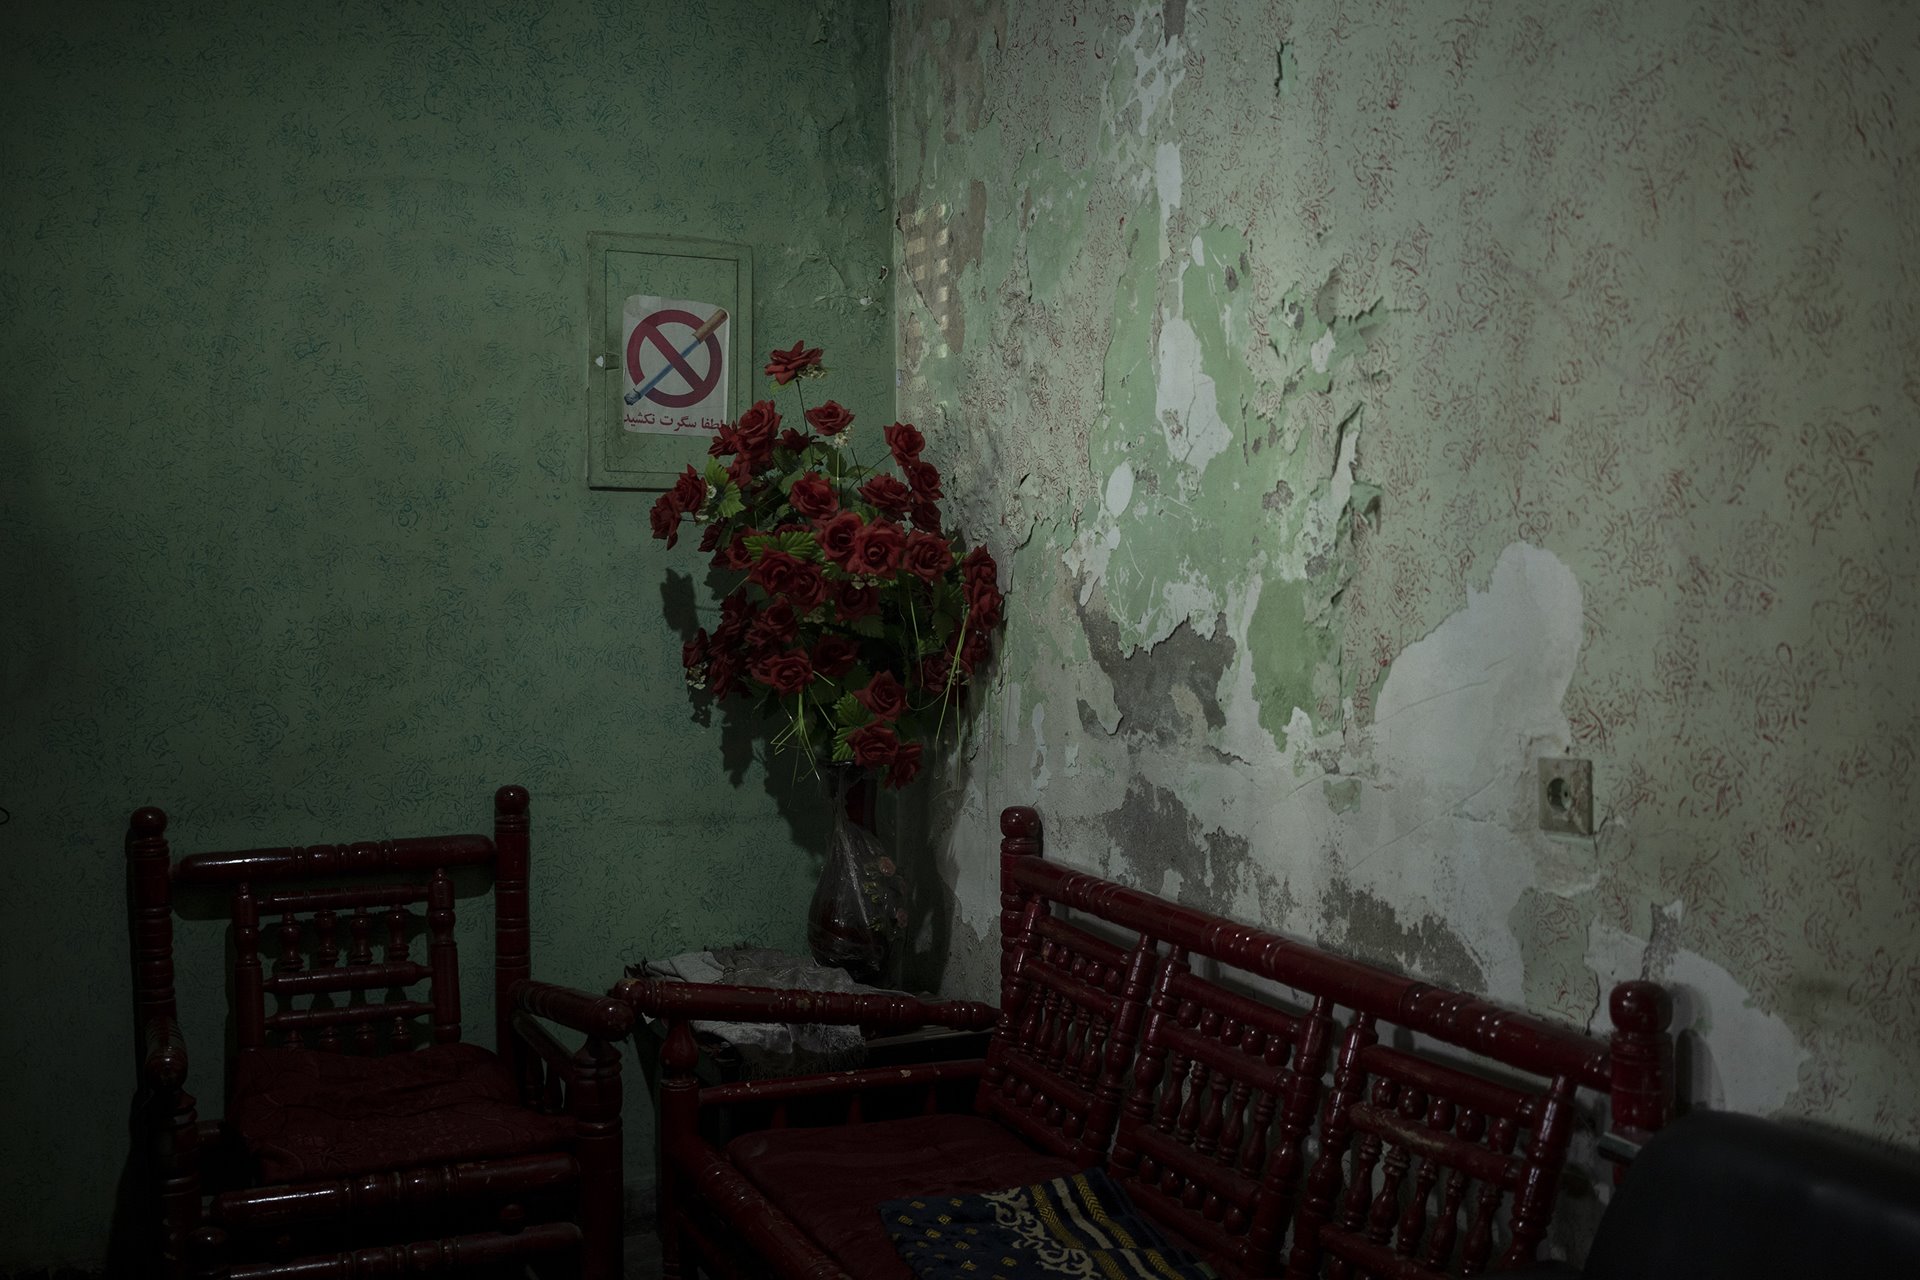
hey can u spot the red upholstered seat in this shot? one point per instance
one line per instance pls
(305, 1114)
(831, 1180)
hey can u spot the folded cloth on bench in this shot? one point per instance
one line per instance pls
(1082, 1226)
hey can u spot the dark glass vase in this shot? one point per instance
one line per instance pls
(858, 912)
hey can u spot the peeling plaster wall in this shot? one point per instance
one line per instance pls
(1366, 399)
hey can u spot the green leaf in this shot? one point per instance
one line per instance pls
(849, 712)
(797, 543)
(842, 752)
(730, 502)
(869, 626)
(716, 474)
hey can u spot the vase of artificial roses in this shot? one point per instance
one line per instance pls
(854, 617)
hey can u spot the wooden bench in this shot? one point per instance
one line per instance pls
(1277, 1109)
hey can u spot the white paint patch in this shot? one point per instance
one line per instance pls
(1740, 1058)
(1120, 489)
(1243, 736)
(1158, 66)
(1199, 252)
(1461, 708)
(1186, 400)
(1041, 774)
(1170, 882)
(1443, 830)
(1322, 351)
(1167, 182)
(1010, 722)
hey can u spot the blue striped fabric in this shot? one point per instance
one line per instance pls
(1081, 1226)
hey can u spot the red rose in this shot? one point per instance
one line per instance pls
(888, 494)
(711, 538)
(924, 478)
(665, 517)
(877, 548)
(976, 651)
(984, 603)
(794, 441)
(773, 572)
(837, 535)
(694, 652)
(735, 554)
(883, 697)
(689, 490)
(787, 672)
(830, 419)
(852, 601)
(926, 516)
(873, 744)
(905, 440)
(812, 496)
(725, 441)
(756, 428)
(720, 674)
(736, 611)
(741, 470)
(905, 765)
(776, 627)
(979, 566)
(784, 366)
(937, 672)
(806, 587)
(927, 557)
(833, 655)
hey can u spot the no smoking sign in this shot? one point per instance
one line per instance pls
(675, 364)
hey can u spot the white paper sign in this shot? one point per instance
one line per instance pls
(676, 375)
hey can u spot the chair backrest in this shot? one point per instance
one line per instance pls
(337, 922)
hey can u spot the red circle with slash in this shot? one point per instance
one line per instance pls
(648, 329)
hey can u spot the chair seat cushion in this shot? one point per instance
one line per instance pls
(831, 1181)
(307, 1114)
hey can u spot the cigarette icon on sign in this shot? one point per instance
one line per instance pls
(700, 335)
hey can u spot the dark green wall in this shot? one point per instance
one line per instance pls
(294, 535)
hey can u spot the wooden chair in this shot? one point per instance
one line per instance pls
(362, 1138)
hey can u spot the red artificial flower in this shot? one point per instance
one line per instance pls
(883, 697)
(787, 672)
(757, 426)
(837, 535)
(877, 548)
(665, 518)
(905, 440)
(830, 419)
(784, 366)
(905, 765)
(694, 652)
(923, 477)
(979, 566)
(888, 494)
(735, 555)
(805, 588)
(689, 490)
(937, 672)
(711, 538)
(927, 557)
(720, 674)
(726, 441)
(773, 628)
(976, 651)
(794, 441)
(874, 744)
(926, 516)
(812, 496)
(833, 655)
(773, 572)
(853, 601)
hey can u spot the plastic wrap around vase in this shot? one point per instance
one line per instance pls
(858, 907)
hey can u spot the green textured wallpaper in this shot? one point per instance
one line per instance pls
(295, 537)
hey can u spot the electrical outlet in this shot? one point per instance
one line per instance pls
(1566, 796)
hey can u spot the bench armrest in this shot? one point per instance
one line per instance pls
(715, 1002)
(600, 1016)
